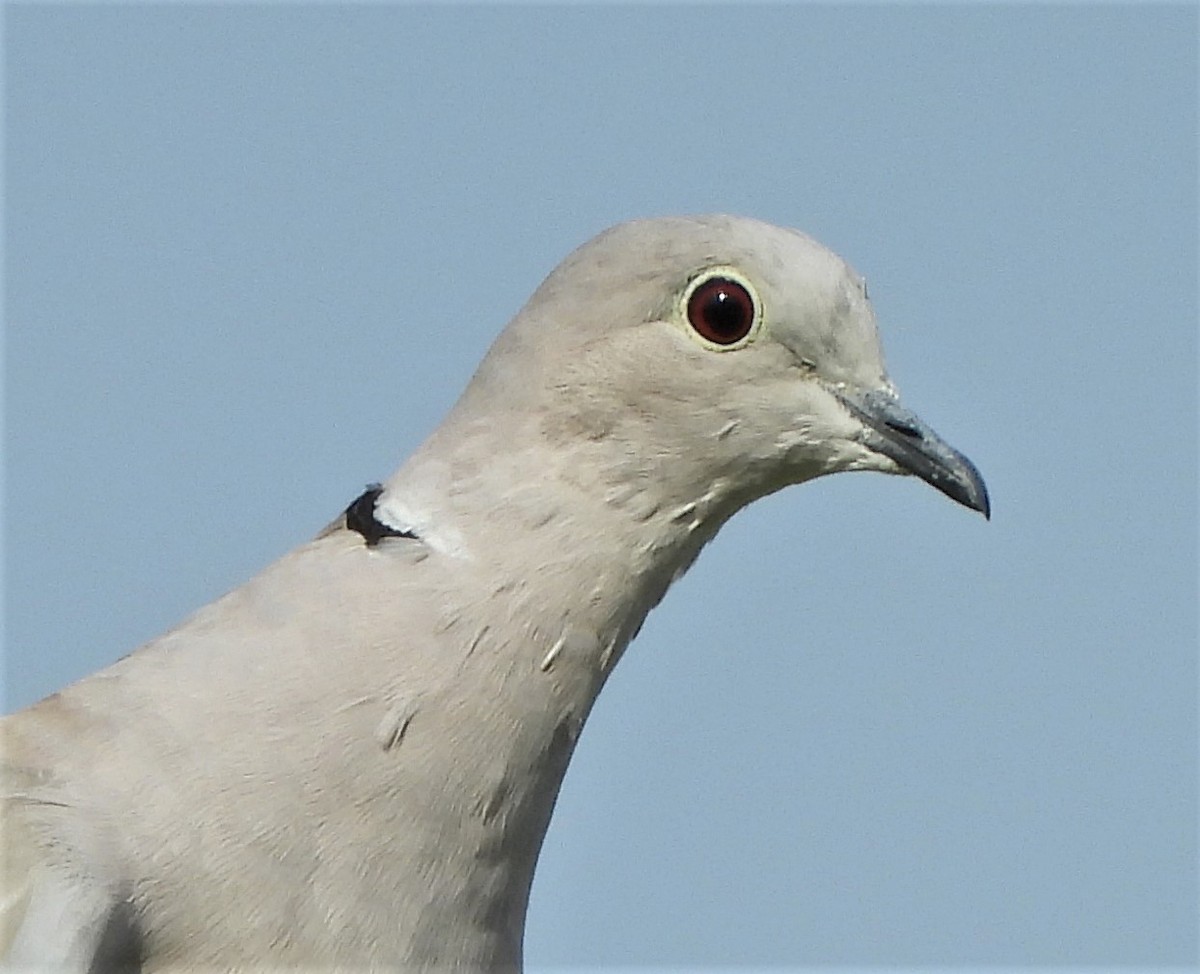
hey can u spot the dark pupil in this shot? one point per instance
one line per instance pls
(724, 313)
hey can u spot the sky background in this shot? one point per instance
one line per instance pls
(252, 254)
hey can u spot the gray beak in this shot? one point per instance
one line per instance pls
(890, 429)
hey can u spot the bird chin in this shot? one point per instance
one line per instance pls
(837, 456)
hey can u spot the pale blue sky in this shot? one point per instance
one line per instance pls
(252, 255)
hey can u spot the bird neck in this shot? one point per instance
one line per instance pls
(558, 575)
(580, 544)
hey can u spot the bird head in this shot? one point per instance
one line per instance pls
(715, 350)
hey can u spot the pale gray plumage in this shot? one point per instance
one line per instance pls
(350, 761)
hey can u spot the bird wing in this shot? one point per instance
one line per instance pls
(53, 917)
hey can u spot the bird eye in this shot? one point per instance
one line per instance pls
(721, 310)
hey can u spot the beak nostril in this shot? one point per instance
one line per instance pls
(904, 429)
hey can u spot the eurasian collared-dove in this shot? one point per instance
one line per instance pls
(350, 761)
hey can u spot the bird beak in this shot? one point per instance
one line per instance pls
(890, 429)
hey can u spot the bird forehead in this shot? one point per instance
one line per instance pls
(670, 249)
(824, 299)
(637, 270)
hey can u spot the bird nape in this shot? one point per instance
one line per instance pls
(351, 760)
